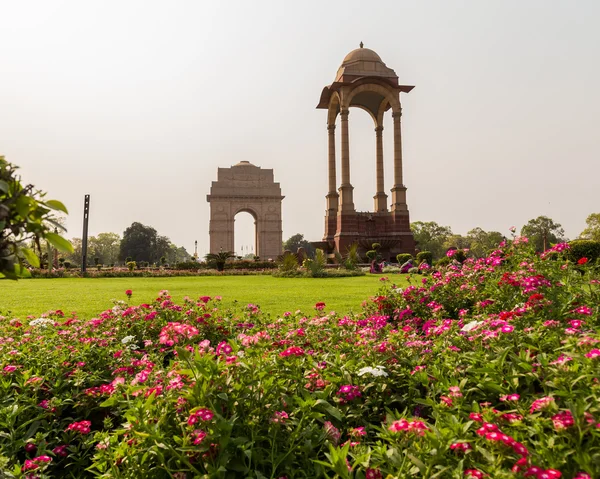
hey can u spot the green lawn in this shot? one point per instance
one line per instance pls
(90, 296)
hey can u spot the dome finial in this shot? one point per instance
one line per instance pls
(362, 44)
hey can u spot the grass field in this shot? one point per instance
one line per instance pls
(88, 297)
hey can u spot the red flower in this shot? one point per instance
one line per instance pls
(128, 292)
(582, 261)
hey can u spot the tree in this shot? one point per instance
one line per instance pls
(430, 236)
(297, 241)
(105, 246)
(25, 216)
(483, 242)
(74, 257)
(543, 233)
(139, 242)
(592, 231)
(457, 242)
(177, 254)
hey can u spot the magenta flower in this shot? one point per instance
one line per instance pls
(593, 354)
(82, 427)
(201, 414)
(35, 463)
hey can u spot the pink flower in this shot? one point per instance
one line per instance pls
(461, 446)
(541, 403)
(201, 414)
(279, 417)
(473, 473)
(373, 473)
(455, 392)
(175, 332)
(198, 436)
(348, 393)
(510, 397)
(507, 328)
(397, 426)
(320, 306)
(593, 354)
(82, 427)
(61, 450)
(36, 462)
(128, 292)
(332, 432)
(562, 420)
(293, 351)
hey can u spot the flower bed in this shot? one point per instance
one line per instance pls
(143, 273)
(486, 370)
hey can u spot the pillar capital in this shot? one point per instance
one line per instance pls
(397, 114)
(330, 128)
(344, 113)
(379, 129)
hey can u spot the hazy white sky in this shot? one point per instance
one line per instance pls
(138, 102)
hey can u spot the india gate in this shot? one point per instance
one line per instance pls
(364, 81)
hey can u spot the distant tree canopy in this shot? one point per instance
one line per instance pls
(297, 241)
(143, 243)
(592, 231)
(482, 243)
(105, 247)
(542, 233)
(430, 236)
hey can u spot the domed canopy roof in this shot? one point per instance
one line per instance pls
(362, 54)
(364, 62)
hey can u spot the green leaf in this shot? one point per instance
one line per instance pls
(333, 411)
(111, 401)
(417, 462)
(31, 257)
(56, 205)
(59, 242)
(3, 186)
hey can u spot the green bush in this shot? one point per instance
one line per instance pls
(315, 268)
(445, 261)
(288, 262)
(403, 257)
(425, 257)
(371, 254)
(589, 249)
(131, 265)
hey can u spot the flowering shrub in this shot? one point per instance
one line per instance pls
(485, 369)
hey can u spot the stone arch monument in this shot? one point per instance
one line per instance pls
(246, 188)
(364, 81)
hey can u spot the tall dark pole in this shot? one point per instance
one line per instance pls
(86, 217)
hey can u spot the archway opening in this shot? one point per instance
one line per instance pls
(245, 235)
(363, 171)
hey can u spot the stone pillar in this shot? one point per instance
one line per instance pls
(346, 201)
(399, 190)
(332, 195)
(380, 196)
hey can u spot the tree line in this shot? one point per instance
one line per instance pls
(430, 236)
(140, 243)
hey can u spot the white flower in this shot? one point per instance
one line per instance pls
(42, 322)
(376, 371)
(471, 326)
(241, 354)
(127, 339)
